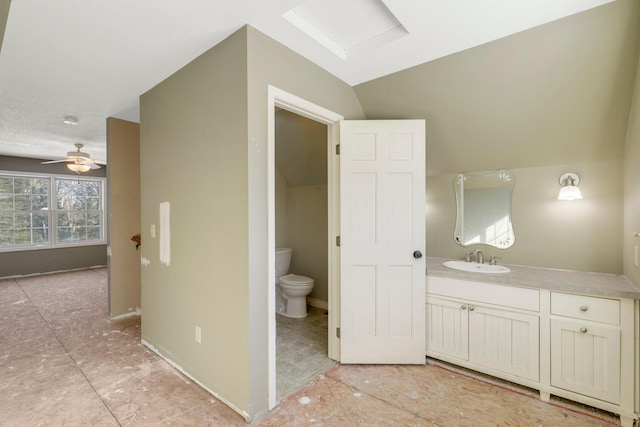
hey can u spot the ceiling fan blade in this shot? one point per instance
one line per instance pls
(93, 165)
(54, 161)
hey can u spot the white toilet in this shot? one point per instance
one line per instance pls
(291, 289)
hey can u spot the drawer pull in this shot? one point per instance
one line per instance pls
(471, 308)
(464, 306)
(583, 330)
(584, 308)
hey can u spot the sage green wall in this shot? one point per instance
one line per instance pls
(580, 235)
(193, 148)
(270, 63)
(546, 101)
(4, 14)
(632, 189)
(203, 149)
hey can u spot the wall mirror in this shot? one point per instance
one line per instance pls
(484, 209)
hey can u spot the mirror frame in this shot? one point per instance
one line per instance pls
(503, 179)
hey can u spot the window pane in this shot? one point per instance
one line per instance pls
(22, 203)
(6, 237)
(6, 203)
(71, 219)
(22, 236)
(40, 186)
(72, 234)
(6, 220)
(40, 219)
(64, 234)
(93, 204)
(6, 185)
(22, 220)
(21, 186)
(39, 202)
(40, 236)
(93, 218)
(93, 233)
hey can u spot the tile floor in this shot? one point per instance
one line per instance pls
(63, 362)
(301, 351)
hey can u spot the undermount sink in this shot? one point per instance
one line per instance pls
(474, 267)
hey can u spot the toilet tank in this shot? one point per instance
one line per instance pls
(283, 258)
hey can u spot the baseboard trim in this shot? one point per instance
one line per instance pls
(242, 413)
(137, 312)
(44, 273)
(314, 302)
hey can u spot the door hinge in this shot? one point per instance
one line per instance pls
(338, 332)
(337, 240)
(338, 149)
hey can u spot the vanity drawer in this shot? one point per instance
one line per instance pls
(489, 293)
(596, 309)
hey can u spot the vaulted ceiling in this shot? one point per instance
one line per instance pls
(92, 59)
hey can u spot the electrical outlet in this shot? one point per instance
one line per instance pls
(198, 334)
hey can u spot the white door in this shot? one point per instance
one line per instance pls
(382, 223)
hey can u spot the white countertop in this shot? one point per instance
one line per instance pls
(580, 282)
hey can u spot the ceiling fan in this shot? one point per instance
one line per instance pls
(78, 161)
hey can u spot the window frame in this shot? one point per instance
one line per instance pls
(53, 211)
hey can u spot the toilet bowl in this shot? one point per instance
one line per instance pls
(291, 289)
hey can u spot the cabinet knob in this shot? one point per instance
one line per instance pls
(583, 330)
(464, 306)
(584, 308)
(471, 308)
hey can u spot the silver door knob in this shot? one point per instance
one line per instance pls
(471, 308)
(584, 308)
(417, 254)
(464, 306)
(583, 330)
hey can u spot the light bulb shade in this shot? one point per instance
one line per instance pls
(569, 192)
(78, 168)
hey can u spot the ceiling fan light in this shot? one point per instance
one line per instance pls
(77, 168)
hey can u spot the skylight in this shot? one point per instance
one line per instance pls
(345, 26)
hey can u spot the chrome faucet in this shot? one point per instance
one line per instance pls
(479, 256)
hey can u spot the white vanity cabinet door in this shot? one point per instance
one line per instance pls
(447, 324)
(505, 341)
(585, 358)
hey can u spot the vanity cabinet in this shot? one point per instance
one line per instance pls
(477, 332)
(585, 345)
(579, 347)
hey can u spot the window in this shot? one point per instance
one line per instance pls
(46, 211)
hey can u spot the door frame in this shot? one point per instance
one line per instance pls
(279, 98)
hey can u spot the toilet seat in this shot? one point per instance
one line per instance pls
(295, 280)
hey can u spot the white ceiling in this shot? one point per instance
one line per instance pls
(92, 59)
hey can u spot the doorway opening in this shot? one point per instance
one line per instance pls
(301, 218)
(291, 107)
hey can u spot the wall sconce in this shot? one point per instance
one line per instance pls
(569, 190)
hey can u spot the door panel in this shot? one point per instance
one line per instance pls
(504, 340)
(382, 174)
(585, 358)
(447, 325)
